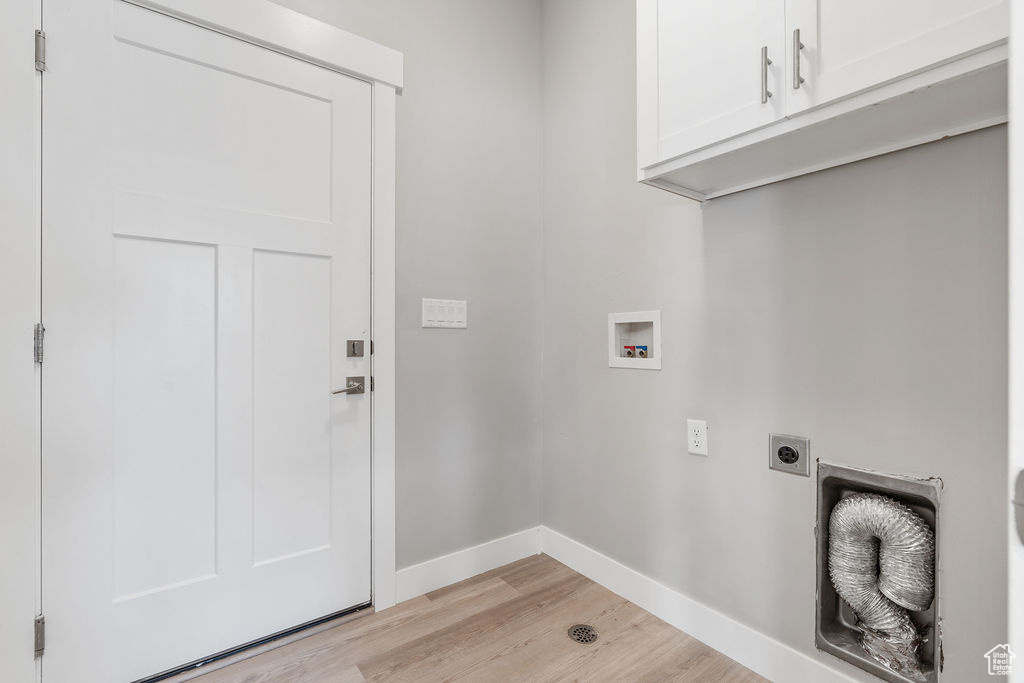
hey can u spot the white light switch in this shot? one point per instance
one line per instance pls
(445, 313)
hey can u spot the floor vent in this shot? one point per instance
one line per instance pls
(583, 633)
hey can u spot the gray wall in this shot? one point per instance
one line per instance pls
(864, 307)
(469, 217)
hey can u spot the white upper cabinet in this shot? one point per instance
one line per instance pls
(849, 47)
(713, 74)
(735, 95)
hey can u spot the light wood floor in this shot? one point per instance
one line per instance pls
(509, 624)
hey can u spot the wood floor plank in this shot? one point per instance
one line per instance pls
(335, 649)
(536, 652)
(521, 645)
(527, 563)
(428, 655)
(528, 576)
(634, 649)
(508, 624)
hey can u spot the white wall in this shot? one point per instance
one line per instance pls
(864, 307)
(469, 164)
(19, 436)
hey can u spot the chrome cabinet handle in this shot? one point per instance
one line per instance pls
(353, 385)
(765, 63)
(797, 46)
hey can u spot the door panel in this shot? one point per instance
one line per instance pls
(709, 83)
(205, 140)
(292, 405)
(165, 386)
(206, 255)
(852, 46)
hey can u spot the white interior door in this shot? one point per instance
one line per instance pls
(852, 46)
(206, 256)
(709, 82)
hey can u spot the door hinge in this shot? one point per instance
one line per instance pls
(37, 342)
(40, 51)
(40, 627)
(371, 382)
(371, 347)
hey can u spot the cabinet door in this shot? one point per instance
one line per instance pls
(699, 72)
(850, 47)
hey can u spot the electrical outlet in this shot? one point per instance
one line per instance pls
(697, 437)
(790, 454)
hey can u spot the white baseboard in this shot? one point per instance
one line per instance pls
(443, 571)
(754, 650)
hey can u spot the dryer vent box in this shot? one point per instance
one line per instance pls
(835, 622)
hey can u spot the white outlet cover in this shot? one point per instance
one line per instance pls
(697, 437)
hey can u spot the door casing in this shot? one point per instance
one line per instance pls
(19, 375)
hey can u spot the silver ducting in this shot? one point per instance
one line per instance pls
(881, 559)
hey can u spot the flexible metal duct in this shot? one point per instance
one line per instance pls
(881, 557)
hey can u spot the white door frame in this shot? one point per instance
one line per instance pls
(19, 311)
(1015, 464)
(257, 21)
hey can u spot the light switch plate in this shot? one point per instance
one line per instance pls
(451, 313)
